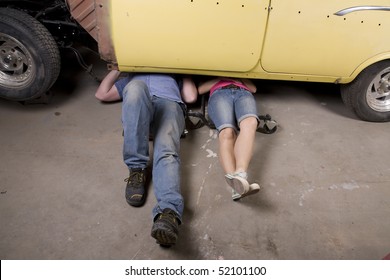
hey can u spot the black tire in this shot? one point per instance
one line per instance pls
(29, 57)
(369, 94)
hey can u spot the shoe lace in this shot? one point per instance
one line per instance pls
(135, 177)
(169, 215)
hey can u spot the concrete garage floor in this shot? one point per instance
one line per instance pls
(325, 177)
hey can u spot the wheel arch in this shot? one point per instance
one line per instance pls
(359, 69)
(368, 94)
(94, 17)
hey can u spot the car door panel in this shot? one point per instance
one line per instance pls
(307, 37)
(200, 34)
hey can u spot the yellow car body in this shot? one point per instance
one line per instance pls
(300, 40)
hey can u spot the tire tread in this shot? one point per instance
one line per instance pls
(47, 47)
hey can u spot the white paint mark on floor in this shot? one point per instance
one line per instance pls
(346, 186)
(211, 153)
(203, 184)
(349, 186)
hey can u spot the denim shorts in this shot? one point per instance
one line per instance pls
(228, 107)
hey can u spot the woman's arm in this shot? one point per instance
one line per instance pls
(206, 86)
(107, 90)
(249, 84)
(189, 92)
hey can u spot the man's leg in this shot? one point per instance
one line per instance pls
(137, 111)
(167, 127)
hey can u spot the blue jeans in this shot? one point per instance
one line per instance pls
(228, 107)
(142, 114)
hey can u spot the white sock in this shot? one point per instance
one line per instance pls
(242, 174)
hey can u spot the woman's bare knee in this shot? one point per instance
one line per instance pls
(227, 134)
(249, 123)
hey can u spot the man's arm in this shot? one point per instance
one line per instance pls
(189, 92)
(107, 90)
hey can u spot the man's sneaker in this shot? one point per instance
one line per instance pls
(135, 188)
(166, 228)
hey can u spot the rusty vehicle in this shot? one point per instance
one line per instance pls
(342, 42)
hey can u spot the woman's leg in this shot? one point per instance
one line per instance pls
(221, 112)
(243, 148)
(227, 138)
(246, 113)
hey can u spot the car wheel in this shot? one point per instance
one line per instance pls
(369, 94)
(29, 56)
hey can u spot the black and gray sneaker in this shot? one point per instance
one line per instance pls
(135, 188)
(166, 228)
